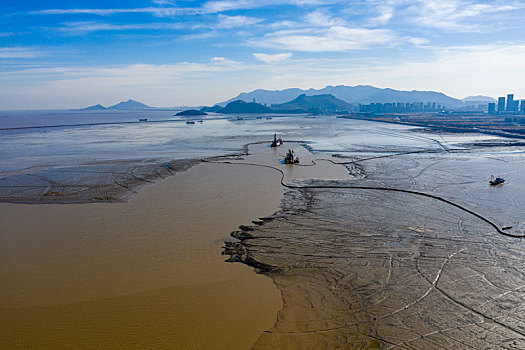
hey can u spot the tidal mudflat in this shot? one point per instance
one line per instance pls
(382, 262)
(139, 265)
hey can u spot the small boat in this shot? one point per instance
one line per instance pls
(143, 120)
(258, 117)
(190, 122)
(496, 181)
(290, 157)
(268, 118)
(276, 142)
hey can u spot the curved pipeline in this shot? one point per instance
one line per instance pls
(486, 220)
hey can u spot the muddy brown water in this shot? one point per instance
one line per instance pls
(147, 273)
(142, 274)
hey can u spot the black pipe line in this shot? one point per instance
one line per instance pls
(375, 189)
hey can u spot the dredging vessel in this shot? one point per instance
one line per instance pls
(276, 141)
(290, 157)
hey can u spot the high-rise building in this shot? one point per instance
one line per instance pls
(522, 108)
(492, 108)
(510, 102)
(516, 106)
(501, 104)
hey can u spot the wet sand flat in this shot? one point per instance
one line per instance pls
(143, 274)
(381, 269)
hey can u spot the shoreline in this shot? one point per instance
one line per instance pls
(441, 127)
(120, 191)
(124, 183)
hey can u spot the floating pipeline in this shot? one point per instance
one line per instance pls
(372, 188)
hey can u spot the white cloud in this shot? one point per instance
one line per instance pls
(333, 39)
(385, 10)
(217, 6)
(156, 11)
(269, 58)
(80, 28)
(19, 52)
(221, 6)
(222, 61)
(236, 21)
(200, 36)
(457, 15)
(167, 8)
(163, 2)
(283, 24)
(322, 18)
(419, 41)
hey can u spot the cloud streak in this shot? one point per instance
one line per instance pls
(236, 21)
(81, 28)
(20, 52)
(272, 58)
(332, 39)
(457, 15)
(210, 7)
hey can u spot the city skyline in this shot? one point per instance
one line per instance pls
(167, 53)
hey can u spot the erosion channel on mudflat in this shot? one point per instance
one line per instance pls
(381, 236)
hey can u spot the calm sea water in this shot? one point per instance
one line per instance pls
(26, 143)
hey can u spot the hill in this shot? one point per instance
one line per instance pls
(244, 107)
(97, 107)
(364, 94)
(129, 105)
(314, 104)
(479, 98)
(213, 109)
(191, 112)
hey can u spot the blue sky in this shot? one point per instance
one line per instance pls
(64, 54)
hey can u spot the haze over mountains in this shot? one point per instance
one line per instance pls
(339, 97)
(316, 104)
(478, 98)
(128, 105)
(363, 94)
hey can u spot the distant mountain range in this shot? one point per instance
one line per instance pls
(329, 99)
(317, 104)
(479, 99)
(363, 94)
(121, 106)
